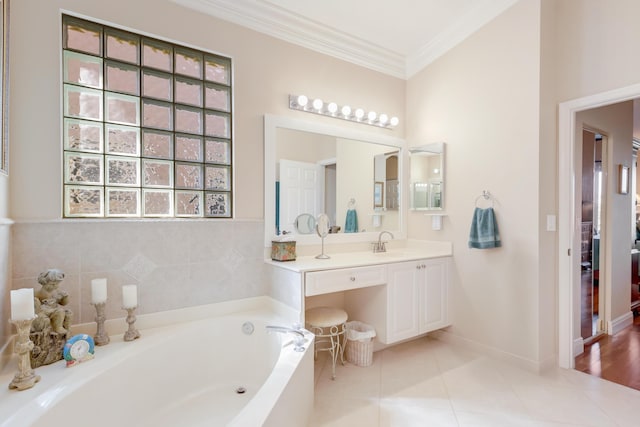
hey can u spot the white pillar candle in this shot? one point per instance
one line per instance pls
(98, 291)
(22, 306)
(129, 296)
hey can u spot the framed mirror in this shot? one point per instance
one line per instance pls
(427, 177)
(337, 170)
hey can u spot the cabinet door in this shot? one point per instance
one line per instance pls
(403, 301)
(434, 295)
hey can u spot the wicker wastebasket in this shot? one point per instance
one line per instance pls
(359, 348)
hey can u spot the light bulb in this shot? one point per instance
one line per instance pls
(332, 107)
(302, 100)
(394, 121)
(359, 113)
(317, 104)
(384, 119)
(372, 116)
(346, 111)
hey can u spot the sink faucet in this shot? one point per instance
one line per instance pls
(381, 246)
(298, 339)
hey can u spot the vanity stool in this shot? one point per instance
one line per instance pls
(328, 324)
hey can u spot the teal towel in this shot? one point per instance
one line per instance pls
(484, 230)
(351, 223)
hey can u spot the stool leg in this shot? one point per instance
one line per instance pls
(335, 350)
(344, 342)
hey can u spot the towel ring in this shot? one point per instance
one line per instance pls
(352, 203)
(486, 196)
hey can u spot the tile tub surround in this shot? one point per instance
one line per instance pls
(176, 264)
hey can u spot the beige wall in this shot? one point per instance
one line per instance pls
(179, 263)
(596, 42)
(483, 99)
(266, 71)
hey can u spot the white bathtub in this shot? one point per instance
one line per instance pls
(183, 375)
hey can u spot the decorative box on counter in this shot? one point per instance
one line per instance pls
(283, 251)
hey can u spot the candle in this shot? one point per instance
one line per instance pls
(98, 291)
(22, 307)
(129, 296)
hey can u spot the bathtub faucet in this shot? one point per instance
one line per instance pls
(298, 339)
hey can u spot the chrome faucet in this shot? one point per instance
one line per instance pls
(381, 246)
(298, 339)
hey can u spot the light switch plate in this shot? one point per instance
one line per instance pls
(551, 223)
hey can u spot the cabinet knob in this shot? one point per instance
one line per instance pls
(418, 267)
(423, 266)
(352, 278)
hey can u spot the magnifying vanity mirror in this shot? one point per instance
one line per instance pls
(305, 223)
(427, 177)
(312, 169)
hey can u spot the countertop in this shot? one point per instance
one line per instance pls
(412, 252)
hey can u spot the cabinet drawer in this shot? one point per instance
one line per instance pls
(324, 282)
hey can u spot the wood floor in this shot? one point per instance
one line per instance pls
(615, 358)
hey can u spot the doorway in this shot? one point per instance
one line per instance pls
(592, 229)
(570, 342)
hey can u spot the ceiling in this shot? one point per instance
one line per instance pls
(398, 37)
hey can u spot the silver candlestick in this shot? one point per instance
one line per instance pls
(25, 377)
(101, 337)
(132, 333)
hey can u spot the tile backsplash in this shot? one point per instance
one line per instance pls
(175, 264)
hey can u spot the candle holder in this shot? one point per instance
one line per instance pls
(101, 337)
(25, 377)
(132, 333)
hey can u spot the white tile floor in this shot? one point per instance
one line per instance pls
(427, 382)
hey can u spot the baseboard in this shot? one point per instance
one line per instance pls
(578, 347)
(527, 364)
(619, 323)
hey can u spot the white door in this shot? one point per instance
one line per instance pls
(301, 191)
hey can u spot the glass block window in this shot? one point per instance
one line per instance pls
(146, 126)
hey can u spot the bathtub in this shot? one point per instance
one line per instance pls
(223, 370)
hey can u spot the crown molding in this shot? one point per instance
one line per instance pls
(287, 26)
(293, 28)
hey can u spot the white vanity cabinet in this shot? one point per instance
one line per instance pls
(417, 298)
(402, 295)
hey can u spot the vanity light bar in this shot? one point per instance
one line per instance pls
(331, 109)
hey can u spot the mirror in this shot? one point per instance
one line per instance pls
(323, 229)
(312, 168)
(305, 223)
(427, 177)
(323, 225)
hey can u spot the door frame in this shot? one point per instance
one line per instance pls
(603, 296)
(568, 231)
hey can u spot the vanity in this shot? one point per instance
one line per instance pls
(324, 172)
(402, 293)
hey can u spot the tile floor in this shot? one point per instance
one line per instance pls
(427, 382)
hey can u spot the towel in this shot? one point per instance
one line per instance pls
(484, 230)
(351, 223)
